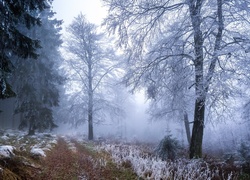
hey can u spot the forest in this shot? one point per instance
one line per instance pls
(158, 90)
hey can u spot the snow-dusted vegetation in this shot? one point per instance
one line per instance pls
(44, 154)
(149, 166)
(37, 144)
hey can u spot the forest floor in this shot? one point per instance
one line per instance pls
(49, 157)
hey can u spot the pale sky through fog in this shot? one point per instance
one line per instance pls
(94, 11)
(68, 9)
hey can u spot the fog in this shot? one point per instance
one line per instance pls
(135, 126)
(131, 77)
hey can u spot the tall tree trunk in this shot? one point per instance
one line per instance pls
(198, 128)
(90, 103)
(197, 132)
(90, 118)
(201, 83)
(91, 132)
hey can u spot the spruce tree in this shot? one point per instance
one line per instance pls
(14, 42)
(36, 80)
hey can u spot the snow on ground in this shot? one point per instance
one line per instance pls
(37, 144)
(37, 151)
(7, 151)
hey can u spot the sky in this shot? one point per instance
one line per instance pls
(68, 9)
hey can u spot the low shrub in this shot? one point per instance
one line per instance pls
(244, 151)
(168, 148)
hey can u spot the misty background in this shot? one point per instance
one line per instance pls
(117, 114)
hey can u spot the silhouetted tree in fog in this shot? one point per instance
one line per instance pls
(37, 81)
(91, 70)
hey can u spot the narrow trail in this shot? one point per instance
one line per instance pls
(65, 162)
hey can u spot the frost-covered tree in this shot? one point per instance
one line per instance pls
(185, 47)
(13, 41)
(37, 81)
(167, 86)
(91, 74)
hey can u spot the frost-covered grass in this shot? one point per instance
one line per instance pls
(72, 159)
(46, 156)
(148, 166)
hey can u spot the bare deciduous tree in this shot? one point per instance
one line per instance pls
(92, 72)
(198, 36)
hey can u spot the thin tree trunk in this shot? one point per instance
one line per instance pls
(31, 126)
(90, 103)
(186, 122)
(91, 132)
(90, 116)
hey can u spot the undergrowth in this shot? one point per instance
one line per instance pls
(22, 164)
(69, 159)
(83, 163)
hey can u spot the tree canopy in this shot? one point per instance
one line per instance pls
(193, 49)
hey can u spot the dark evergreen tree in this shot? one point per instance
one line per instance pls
(36, 80)
(14, 42)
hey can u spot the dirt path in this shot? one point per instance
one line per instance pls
(67, 162)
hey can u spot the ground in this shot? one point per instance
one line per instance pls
(46, 156)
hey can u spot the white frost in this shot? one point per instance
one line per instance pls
(37, 151)
(6, 151)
